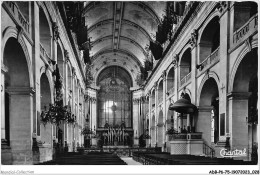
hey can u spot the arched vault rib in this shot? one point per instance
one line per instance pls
(99, 24)
(92, 5)
(122, 38)
(148, 9)
(122, 51)
(101, 39)
(138, 27)
(124, 22)
(135, 43)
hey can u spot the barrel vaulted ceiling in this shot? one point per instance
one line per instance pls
(120, 32)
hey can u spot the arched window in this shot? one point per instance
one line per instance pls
(160, 92)
(170, 81)
(210, 38)
(114, 97)
(185, 67)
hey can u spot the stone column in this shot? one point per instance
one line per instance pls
(223, 61)
(237, 121)
(194, 62)
(149, 117)
(21, 124)
(3, 129)
(73, 111)
(36, 70)
(135, 120)
(66, 97)
(176, 86)
(164, 108)
(156, 112)
(138, 117)
(204, 123)
(94, 119)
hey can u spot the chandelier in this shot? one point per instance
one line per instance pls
(56, 113)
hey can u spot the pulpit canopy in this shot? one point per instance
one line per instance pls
(183, 106)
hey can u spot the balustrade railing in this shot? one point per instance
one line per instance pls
(178, 136)
(210, 60)
(246, 30)
(185, 79)
(185, 136)
(17, 15)
(208, 151)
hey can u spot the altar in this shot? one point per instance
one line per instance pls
(117, 137)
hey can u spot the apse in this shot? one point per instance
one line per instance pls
(114, 98)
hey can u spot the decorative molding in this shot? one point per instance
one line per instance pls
(238, 95)
(66, 54)
(148, 95)
(93, 100)
(20, 90)
(136, 100)
(222, 6)
(20, 32)
(163, 75)
(248, 44)
(73, 72)
(194, 38)
(56, 33)
(205, 108)
(90, 99)
(155, 85)
(175, 60)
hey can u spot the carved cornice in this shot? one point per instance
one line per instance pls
(20, 90)
(194, 38)
(238, 95)
(205, 108)
(90, 99)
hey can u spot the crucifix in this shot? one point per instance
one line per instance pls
(222, 88)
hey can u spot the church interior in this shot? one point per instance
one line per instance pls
(160, 82)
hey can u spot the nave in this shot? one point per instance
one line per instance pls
(179, 76)
(76, 158)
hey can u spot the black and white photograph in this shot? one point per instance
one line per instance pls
(167, 87)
